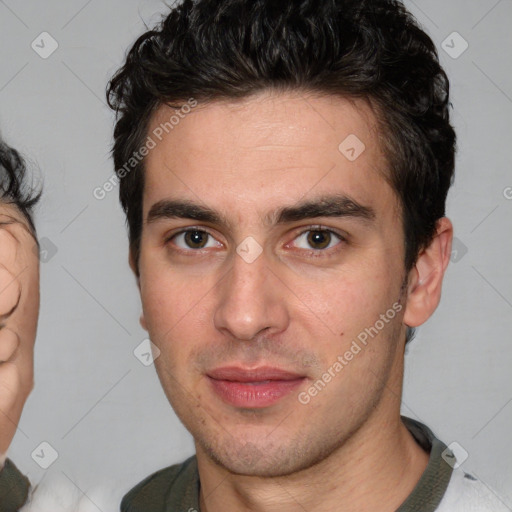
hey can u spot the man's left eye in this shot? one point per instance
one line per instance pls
(317, 239)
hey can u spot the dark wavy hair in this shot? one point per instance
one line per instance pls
(227, 49)
(13, 184)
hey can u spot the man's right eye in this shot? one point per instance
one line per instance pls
(194, 239)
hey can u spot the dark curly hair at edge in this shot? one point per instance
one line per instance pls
(13, 187)
(230, 49)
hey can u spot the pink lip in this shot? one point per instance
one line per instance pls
(253, 388)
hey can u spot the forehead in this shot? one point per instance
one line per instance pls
(265, 151)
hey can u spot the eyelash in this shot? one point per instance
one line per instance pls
(312, 252)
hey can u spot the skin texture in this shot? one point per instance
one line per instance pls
(19, 309)
(295, 307)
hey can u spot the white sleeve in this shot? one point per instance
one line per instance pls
(465, 493)
(58, 494)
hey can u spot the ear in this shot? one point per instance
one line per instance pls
(142, 321)
(133, 266)
(426, 277)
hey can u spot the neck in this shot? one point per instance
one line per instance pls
(375, 470)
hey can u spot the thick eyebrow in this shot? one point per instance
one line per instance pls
(325, 206)
(338, 205)
(182, 209)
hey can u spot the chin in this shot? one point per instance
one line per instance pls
(261, 461)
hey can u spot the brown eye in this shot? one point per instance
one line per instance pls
(319, 239)
(196, 239)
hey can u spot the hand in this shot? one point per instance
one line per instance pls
(19, 309)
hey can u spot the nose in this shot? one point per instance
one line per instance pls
(250, 300)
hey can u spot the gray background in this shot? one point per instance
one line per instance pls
(101, 409)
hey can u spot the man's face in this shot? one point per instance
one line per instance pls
(244, 335)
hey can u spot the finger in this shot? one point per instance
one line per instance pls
(9, 245)
(11, 404)
(9, 343)
(10, 291)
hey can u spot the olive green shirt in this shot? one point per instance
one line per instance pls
(176, 488)
(14, 488)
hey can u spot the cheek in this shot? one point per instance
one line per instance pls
(358, 348)
(174, 310)
(345, 302)
(165, 296)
